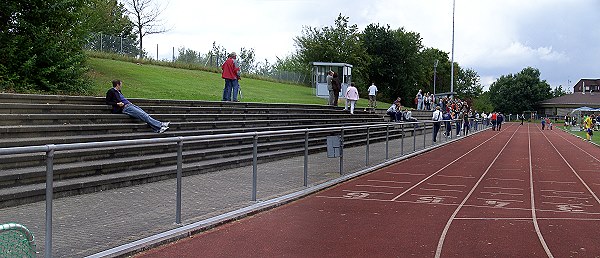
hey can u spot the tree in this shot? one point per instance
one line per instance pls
(394, 61)
(146, 19)
(41, 47)
(338, 44)
(468, 86)
(520, 92)
(557, 92)
(442, 77)
(109, 26)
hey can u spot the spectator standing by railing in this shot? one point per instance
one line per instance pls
(436, 117)
(499, 121)
(447, 123)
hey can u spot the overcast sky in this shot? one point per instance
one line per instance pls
(493, 37)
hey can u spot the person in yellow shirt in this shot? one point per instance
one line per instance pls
(587, 123)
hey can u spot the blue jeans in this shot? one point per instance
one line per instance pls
(135, 111)
(236, 89)
(227, 89)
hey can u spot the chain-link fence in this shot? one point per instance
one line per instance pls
(125, 46)
(112, 44)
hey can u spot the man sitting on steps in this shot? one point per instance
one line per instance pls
(120, 104)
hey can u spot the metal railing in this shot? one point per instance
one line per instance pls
(414, 129)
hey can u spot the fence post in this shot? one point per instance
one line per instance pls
(49, 197)
(179, 175)
(306, 157)
(254, 165)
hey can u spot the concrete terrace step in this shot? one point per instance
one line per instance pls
(88, 100)
(49, 119)
(27, 131)
(22, 169)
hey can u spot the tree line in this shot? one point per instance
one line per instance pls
(42, 43)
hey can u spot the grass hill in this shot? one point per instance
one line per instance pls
(159, 82)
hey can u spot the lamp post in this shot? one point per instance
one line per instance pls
(434, 75)
(452, 68)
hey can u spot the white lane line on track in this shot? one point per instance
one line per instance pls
(402, 173)
(441, 190)
(448, 185)
(429, 195)
(498, 200)
(558, 191)
(533, 213)
(503, 188)
(564, 203)
(461, 177)
(505, 179)
(388, 181)
(555, 182)
(574, 219)
(369, 192)
(381, 186)
(500, 193)
(438, 252)
(566, 197)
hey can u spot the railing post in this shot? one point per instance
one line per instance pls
(414, 137)
(342, 151)
(179, 175)
(306, 157)
(425, 134)
(367, 149)
(254, 166)
(387, 141)
(402, 139)
(49, 197)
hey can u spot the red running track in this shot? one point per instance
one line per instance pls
(521, 192)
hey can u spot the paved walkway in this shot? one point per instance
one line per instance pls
(90, 223)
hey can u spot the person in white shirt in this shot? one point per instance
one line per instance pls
(436, 117)
(395, 111)
(372, 96)
(351, 97)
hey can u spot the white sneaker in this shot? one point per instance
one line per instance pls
(165, 124)
(163, 129)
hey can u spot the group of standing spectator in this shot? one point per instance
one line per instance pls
(425, 101)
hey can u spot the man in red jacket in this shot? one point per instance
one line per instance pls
(231, 75)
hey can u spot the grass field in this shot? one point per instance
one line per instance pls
(158, 82)
(582, 134)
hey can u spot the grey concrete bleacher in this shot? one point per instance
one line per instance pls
(31, 120)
